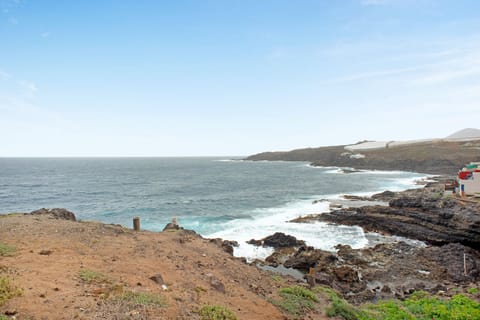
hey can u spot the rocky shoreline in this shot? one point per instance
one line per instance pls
(444, 260)
(448, 226)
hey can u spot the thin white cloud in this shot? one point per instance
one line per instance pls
(375, 74)
(427, 68)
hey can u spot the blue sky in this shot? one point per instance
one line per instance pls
(196, 78)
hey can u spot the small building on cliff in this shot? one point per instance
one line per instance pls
(469, 180)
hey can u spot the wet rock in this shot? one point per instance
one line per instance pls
(355, 198)
(257, 243)
(282, 240)
(417, 214)
(57, 213)
(384, 196)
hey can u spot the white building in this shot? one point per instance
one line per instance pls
(469, 180)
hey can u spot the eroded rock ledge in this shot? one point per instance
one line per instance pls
(426, 214)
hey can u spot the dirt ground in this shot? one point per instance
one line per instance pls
(52, 255)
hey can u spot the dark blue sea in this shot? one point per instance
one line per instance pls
(217, 197)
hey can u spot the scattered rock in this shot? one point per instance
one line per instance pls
(45, 252)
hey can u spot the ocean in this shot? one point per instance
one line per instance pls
(217, 197)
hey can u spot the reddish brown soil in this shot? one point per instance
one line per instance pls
(53, 289)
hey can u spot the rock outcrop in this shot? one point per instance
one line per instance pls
(57, 213)
(387, 270)
(424, 214)
(278, 240)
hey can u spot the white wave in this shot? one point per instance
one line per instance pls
(320, 235)
(228, 160)
(268, 221)
(337, 170)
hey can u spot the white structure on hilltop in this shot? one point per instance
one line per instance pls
(469, 179)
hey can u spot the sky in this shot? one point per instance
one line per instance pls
(231, 77)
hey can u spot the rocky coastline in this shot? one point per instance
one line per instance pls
(447, 227)
(444, 260)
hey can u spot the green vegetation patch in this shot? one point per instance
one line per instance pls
(8, 290)
(208, 312)
(385, 309)
(459, 307)
(338, 306)
(143, 299)
(296, 301)
(473, 291)
(419, 306)
(91, 276)
(7, 250)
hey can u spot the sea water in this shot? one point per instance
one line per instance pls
(217, 197)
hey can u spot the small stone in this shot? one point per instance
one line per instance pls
(158, 279)
(217, 284)
(45, 252)
(10, 312)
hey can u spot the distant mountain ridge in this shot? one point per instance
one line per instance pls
(465, 134)
(432, 156)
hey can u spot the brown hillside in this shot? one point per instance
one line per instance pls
(439, 157)
(78, 270)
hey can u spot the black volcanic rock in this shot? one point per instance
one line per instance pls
(385, 271)
(422, 214)
(308, 257)
(281, 240)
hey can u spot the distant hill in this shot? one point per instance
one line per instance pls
(435, 156)
(465, 134)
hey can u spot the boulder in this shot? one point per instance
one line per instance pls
(257, 243)
(282, 240)
(57, 213)
(308, 257)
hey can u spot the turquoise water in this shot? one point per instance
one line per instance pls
(215, 197)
